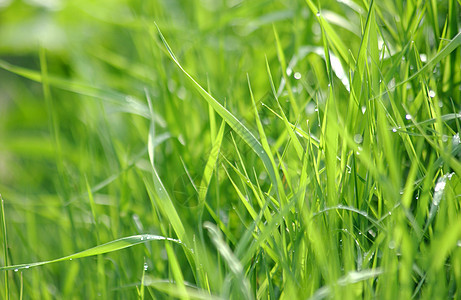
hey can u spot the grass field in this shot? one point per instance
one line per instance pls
(230, 149)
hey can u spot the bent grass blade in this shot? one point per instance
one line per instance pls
(112, 246)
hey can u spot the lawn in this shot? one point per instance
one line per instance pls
(230, 149)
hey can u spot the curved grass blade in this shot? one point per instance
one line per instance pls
(349, 279)
(233, 122)
(101, 249)
(351, 209)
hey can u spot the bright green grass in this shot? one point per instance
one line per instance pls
(230, 149)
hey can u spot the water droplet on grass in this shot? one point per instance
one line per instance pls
(358, 138)
(318, 14)
(15, 270)
(145, 266)
(394, 129)
(297, 75)
(431, 94)
(391, 245)
(456, 140)
(408, 116)
(364, 109)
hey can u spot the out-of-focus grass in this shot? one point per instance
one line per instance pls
(275, 149)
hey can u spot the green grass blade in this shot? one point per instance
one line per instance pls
(211, 162)
(112, 246)
(5, 248)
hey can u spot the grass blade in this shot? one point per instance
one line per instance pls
(112, 246)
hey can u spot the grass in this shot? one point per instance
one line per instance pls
(230, 149)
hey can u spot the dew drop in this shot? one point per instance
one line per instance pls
(364, 109)
(408, 116)
(145, 266)
(458, 243)
(15, 270)
(456, 140)
(423, 57)
(142, 238)
(27, 267)
(297, 75)
(318, 14)
(391, 245)
(316, 109)
(431, 94)
(358, 138)
(444, 138)
(440, 186)
(389, 213)
(394, 129)
(440, 104)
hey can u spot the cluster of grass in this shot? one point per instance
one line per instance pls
(230, 149)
